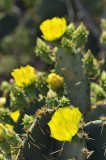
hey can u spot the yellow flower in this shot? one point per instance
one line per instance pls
(15, 115)
(53, 29)
(64, 123)
(24, 75)
(55, 81)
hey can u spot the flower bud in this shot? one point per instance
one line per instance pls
(55, 81)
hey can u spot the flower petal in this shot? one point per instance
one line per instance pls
(64, 123)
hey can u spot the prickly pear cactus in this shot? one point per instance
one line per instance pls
(97, 130)
(37, 143)
(59, 115)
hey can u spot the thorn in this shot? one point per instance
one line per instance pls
(56, 151)
(102, 129)
(42, 145)
(41, 130)
(104, 149)
(35, 145)
(78, 83)
(28, 145)
(31, 138)
(45, 157)
(61, 149)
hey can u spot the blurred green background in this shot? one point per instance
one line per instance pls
(19, 28)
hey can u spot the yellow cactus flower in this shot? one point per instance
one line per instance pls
(15, 115)
(65, 123)
(53, 29)
(24, 75)
(55, 81)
